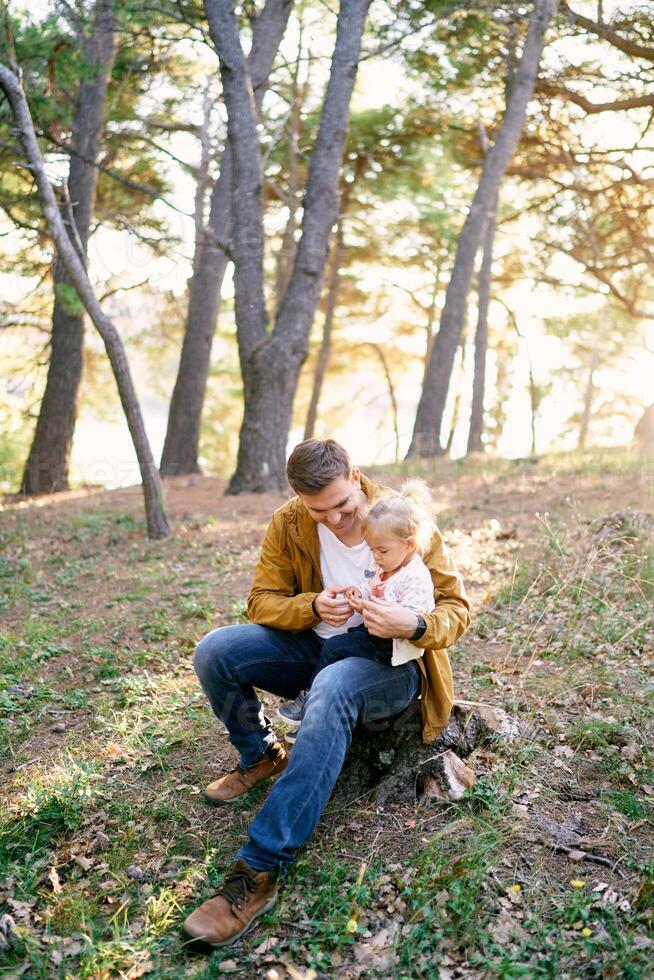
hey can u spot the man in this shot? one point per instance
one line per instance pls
(312, 551)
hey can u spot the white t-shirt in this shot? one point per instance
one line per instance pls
(340, 565)
(413, 588)
(410, 585)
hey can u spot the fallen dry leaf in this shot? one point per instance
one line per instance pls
(139, 969)
(84, 863)
(53, 878)
(22, 910)
(505, 928)
(266, 945)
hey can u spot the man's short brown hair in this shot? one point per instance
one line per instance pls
(314, 463)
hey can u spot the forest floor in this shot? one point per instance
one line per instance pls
(106, 743)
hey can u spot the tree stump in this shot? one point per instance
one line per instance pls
(390, 759)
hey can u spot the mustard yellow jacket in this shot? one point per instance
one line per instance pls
(287, 579)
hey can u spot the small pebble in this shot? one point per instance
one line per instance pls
(58, 728)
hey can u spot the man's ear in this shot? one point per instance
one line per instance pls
(356, 476)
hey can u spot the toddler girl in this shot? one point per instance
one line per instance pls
(398, 529)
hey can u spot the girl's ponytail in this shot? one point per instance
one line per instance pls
(416, 493)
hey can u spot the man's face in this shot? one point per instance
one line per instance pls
(337, 506)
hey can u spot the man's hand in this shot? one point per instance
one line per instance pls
(332, 606)
(388, 619)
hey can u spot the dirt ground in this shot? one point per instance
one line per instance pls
(99, 627)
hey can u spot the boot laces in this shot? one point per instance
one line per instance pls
(236, 885)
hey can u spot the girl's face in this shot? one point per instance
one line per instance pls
(388, 551)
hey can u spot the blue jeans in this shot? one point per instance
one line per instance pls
(232, 661)
(356, 642)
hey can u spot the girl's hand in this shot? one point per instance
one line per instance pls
(354, 597)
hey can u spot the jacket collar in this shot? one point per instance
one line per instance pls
(304, 530)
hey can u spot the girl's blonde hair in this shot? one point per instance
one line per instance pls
(404, 515)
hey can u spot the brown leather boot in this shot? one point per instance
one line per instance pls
(236, 783)
(245, 895)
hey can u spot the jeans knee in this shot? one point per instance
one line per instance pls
(208, 651)
(200, 659)
(330, 695)
(328, 681)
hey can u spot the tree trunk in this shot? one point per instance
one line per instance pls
(271, 362)
(157, 521)
(181, 445)
(269, 381)
(286, 254)
(379, 351)
(533, 404)
(426, 440)
(392, 761)
(332, 298)
(456, 407)
(533, 389)
(429, 325)
(475, 444)
(202, 182)
(46, 469)
(325, 346)
(588, 400)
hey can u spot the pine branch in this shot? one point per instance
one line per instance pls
(618, 105)
(609, 34)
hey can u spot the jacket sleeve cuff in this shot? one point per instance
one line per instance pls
(308, 610)
(444, 627)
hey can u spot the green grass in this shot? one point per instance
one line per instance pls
(101, 628)
(631, 804)
(510, 921)
(50, 804)
(626, 463)
(593, 733)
